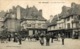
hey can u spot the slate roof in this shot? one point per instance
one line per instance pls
(75, 10)
(65, 12)
(2, 14)
(33, 13)
(54, 21)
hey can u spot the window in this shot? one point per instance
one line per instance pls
(33, 25)
(28, 25)
(68, 25)
(72, 16)
(68, 19)
(44, 25)
(59, 27)
(79, 17)
(39, 25)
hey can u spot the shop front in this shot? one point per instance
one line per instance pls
(36, 31)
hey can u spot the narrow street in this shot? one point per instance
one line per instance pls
(69, 44)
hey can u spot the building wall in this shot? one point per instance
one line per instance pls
(1, 24)
(70, 29)
(11, 22)
(69, 22)
(60, 24)
(49, 28)
(11, 25)
(34, 24)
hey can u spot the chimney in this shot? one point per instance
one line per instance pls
(18, 12)
(64, 8)
(27, 6)
(40, 12)
(73, 5)
(51, 17)
(10, 10)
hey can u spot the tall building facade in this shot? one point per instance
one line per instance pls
(67, 22)
(34, 22)
(12, 19)
(11, 23)
(2, 14)
(27, 19)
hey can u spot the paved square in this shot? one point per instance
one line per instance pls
(69, 44)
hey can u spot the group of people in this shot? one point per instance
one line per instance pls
(41, 37)
(8, 38)
(49, 36)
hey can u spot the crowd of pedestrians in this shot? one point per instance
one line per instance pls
(5, 38)
(51, 36)
(38, 37)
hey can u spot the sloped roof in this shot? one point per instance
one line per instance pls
(2, 14)
(33, 13)
(30, 17)
(36, 18)
(41, 18)
(72, 11)
(47, 23)
(54, 20)
(65, 12)
(75, 10)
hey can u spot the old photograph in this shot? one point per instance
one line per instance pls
(39, 24)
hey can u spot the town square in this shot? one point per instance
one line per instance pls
(30, 25)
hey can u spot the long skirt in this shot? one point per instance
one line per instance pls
(42, 41)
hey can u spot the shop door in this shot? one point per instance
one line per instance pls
(30, 32)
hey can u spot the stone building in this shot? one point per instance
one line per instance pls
(28, 20)
(2, 14)
(12, 19)
(68, 21)
(33, 22)
(11, 22)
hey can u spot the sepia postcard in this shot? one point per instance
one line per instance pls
(39, 24)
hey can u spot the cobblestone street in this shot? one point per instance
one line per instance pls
(69, 44)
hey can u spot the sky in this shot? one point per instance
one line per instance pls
(49, 7)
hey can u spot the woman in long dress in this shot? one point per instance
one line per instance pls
(42, 39)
